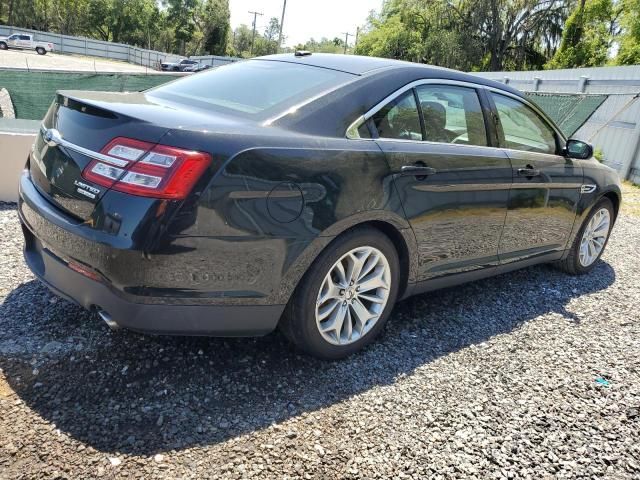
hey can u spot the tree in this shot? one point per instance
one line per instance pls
(268, 44)
(126, 21)
(216, 27)
(629, 52)
(587, 36)
(182, 16)
(242, 41)
(466, 34)
(510, 29)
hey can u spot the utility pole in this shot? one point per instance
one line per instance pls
(253, 36)
(357, 35)
(346, 40)
(284, 8)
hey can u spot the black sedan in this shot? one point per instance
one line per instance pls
(305, 192)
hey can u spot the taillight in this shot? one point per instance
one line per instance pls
(148, 170)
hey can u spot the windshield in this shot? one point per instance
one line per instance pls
(252, 87)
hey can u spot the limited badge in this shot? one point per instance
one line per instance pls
(86, 190)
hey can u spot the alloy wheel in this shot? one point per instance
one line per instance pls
(594, 237)
(353, 295)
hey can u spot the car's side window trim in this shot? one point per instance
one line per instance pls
(490, 125)
(557, 135)
(420, 114)
(560, 136)
(352, 130)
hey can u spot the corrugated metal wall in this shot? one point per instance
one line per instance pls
(614, 127)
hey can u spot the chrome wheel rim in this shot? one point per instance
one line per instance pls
(594, 237)
(353, 296)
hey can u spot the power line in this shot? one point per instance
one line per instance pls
(253, 36)
(284, 8)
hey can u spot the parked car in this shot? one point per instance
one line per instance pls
(197, 67)
(305, 192)
(24, 41)
(177, 67)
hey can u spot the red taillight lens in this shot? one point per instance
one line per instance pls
(147, 170)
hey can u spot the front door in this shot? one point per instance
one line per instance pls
(453, 186)
(546, 184)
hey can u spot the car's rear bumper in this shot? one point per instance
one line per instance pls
(152, 315)
(224, 320)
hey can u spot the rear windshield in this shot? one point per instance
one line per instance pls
(252, 87)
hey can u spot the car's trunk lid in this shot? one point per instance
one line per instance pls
(90, 120)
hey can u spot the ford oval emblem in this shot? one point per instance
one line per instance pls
(52, 137)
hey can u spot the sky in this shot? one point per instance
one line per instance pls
(306, 18)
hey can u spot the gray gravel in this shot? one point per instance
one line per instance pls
(533, 374)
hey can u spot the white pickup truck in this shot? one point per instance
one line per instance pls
(25, 41)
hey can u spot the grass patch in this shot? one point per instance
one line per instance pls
(630, 199)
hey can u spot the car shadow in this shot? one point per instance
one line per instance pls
(135, 394)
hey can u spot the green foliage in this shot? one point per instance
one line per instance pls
(187, 27)
(390, 38)
(263, 44)
(466, 34)
(324, 45)
(629, 53)
(598, 154)
(478, 35)
(588, 34)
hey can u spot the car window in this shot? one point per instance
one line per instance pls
(12, 37)
(252, 87)
(523, 128)
(452, 115)
(399, 119)
(25, 37)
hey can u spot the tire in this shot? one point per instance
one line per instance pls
(299, 322)
(573, 265)
(3, 46)
(41, 51)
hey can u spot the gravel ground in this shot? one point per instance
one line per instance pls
(533, 374)
(56, 61)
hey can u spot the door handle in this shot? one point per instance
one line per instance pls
(529, 171)
(417, 170)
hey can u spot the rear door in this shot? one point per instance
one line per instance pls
(25, 41)
(546, 184)
(453, 184)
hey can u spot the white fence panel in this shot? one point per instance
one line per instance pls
(99, 48)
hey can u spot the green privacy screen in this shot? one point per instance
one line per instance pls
(569, 110)
(32, 92)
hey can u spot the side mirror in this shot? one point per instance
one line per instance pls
(578, 149)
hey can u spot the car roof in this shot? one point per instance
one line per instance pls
(355, 64)
(366, 66)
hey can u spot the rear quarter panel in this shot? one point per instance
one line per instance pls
(271, 209)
